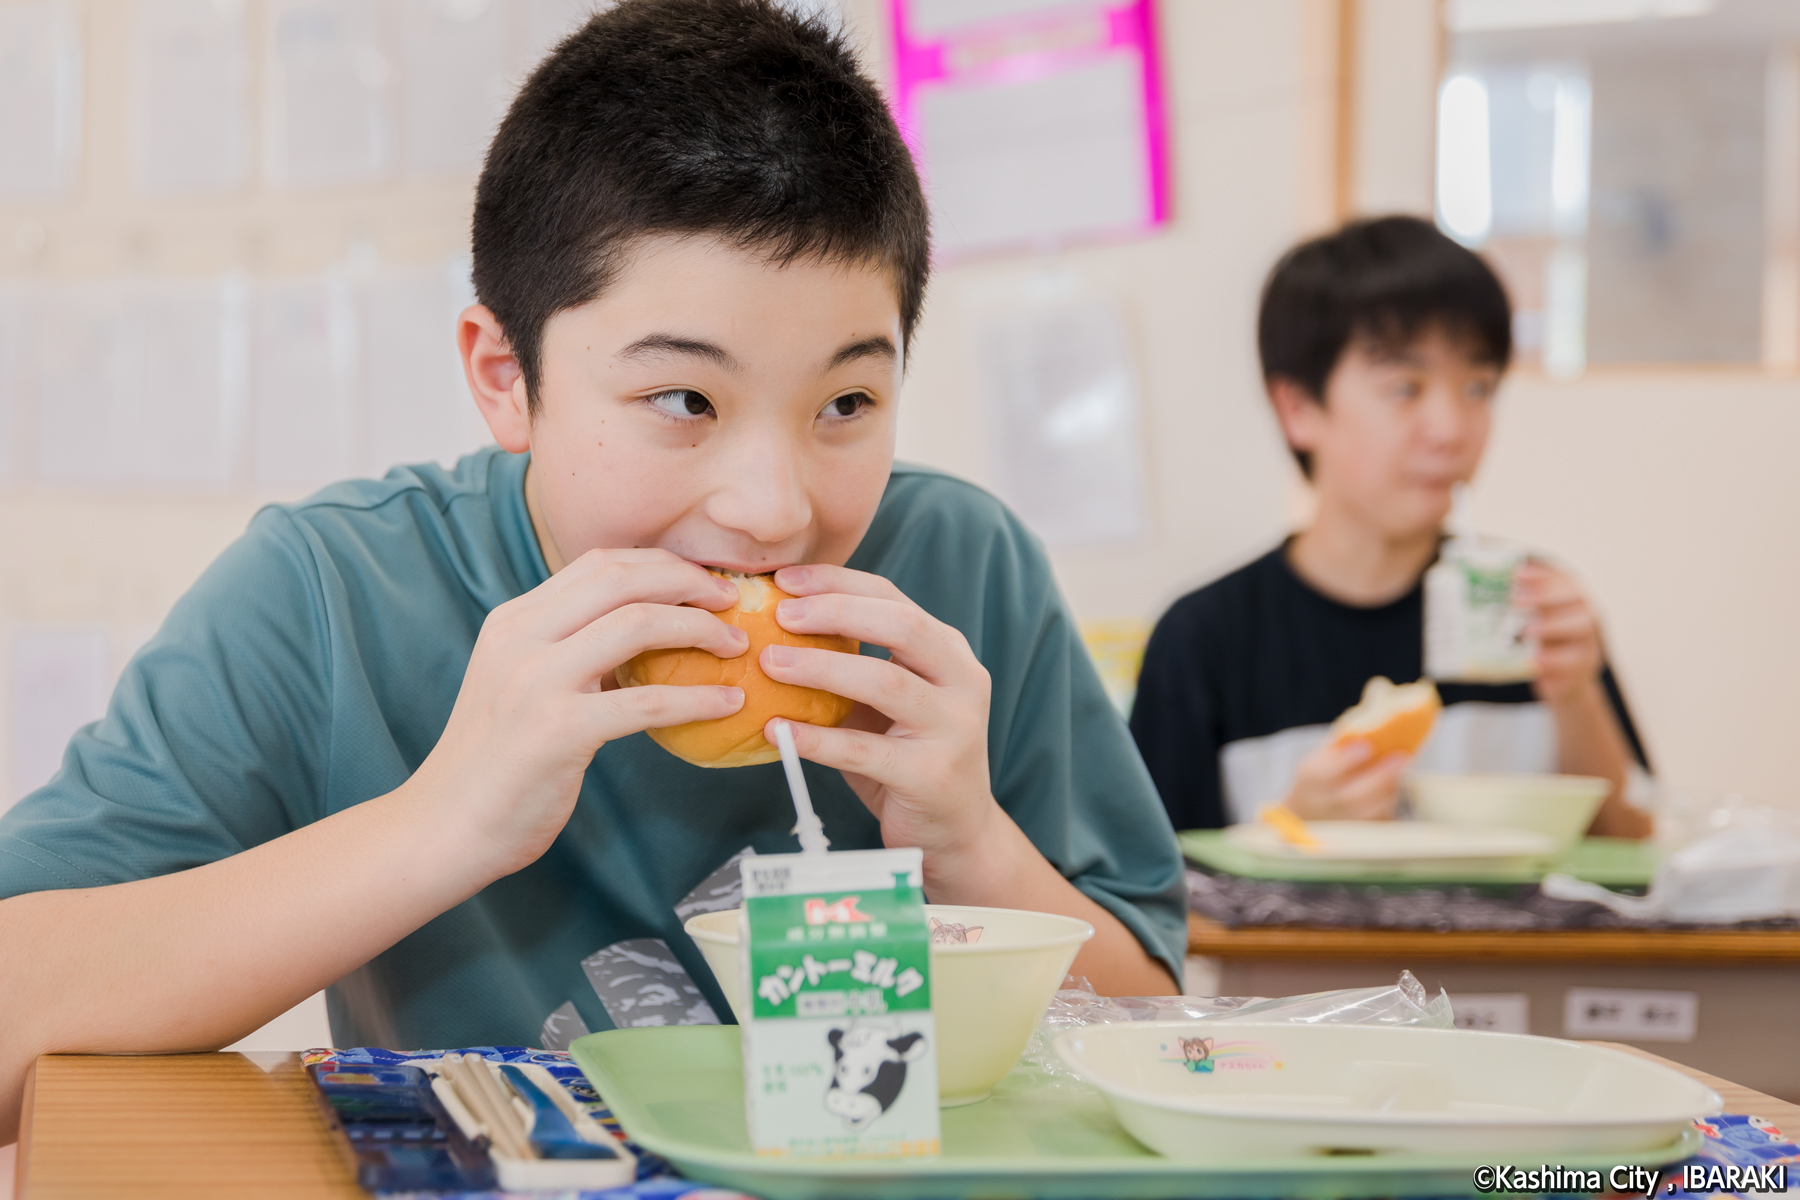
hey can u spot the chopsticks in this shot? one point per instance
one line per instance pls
(470, 1077)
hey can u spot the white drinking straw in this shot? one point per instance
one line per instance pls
(809, 827)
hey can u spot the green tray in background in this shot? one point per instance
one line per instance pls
(1614, 862)
(679, 1093)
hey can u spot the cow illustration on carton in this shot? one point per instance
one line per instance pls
(869, 1069)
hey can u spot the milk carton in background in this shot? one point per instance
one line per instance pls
(840, 1045)
(1473, 631)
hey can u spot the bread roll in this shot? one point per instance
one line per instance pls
(737, 740)
(1390, 717)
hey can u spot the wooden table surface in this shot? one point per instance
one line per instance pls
(1728, 947)
(177, 1125)
(216, 1125)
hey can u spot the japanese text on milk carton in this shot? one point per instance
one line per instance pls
(840, 1046)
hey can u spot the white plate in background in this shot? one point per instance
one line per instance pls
(1396, 841)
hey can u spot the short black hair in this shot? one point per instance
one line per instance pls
(1387, 279)
(733, 118)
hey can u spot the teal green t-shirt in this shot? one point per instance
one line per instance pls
(314, 665)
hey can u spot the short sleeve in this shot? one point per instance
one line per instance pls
(213, 741)
(1174, 724)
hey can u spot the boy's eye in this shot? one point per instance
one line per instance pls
(846, 406)
(681, 403)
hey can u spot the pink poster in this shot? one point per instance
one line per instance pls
(1034, 122)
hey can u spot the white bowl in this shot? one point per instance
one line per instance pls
(1281, 1091)
(987, 996)
(1559, 805)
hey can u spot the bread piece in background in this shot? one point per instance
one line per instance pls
(737, 740)
(1390, 717)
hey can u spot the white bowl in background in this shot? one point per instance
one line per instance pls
(1562, 806)
(987, 996)
(1237, 1090)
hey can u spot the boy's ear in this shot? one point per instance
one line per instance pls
(495, 379)
(1299, 412)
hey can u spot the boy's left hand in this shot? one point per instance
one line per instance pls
(1567, 631)
(915, 746)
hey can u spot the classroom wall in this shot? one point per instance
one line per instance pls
(1665, 490)
(1246, 99)
(1251, 88)
(1672, 493)
(100, 564)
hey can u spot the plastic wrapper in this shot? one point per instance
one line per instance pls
(1749, 870)
(1076, 1005)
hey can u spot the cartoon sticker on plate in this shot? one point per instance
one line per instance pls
(1208, 1056)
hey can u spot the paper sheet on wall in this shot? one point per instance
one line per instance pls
(86, 372)
(1038, 161)
(196, 381)
(12, 374)
(418, 403)
(303, 431)
(59, 680)
(1035, 121)
(1061, 411)
(454, 86)
(40, 98)
(932, 18)
(141, 382)
(191, 78)
(327, 104)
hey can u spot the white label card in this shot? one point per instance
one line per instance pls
(1631, 1014)
(1492, 1012)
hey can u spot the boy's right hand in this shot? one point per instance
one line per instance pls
(1340, 782)
(538, 698)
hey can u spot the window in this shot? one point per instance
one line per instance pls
(1625, 165)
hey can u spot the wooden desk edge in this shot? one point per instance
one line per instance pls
(1730, 947)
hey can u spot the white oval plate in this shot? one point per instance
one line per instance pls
(1221, 1089)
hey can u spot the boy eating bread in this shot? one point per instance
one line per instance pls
(381, 745)
(1382, 345)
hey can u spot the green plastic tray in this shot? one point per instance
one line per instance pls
(1615, 862)
(679, 1093)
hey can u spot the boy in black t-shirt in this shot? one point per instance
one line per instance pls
(1382, 345)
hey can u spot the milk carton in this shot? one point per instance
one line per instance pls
(1473, 631)
(840, 1046)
